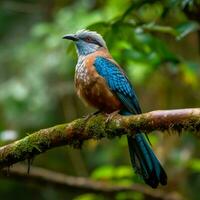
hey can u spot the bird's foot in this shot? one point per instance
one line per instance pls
(87, 117)
(111, 115)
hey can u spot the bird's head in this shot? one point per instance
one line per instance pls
(86, 41)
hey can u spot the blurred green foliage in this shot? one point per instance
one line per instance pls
(156, 42)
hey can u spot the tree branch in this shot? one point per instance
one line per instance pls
(96, 127)
(81, 184)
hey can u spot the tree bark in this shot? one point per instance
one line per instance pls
(97, 127)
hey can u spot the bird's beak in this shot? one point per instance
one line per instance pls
(70, 37)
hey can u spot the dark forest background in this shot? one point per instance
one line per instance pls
(158, 45)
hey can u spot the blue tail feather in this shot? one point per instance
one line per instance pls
(145, 162)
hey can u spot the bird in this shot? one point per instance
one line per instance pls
(101, 83)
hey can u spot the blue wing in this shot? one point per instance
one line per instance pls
(142, 157)
(118, 83)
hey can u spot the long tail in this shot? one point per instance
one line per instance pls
(145, 162)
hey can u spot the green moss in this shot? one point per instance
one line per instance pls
(30, 145)
(21, 147)
(60, 128)
(140, 122)
(78, 130)
(96, 126)
(113, 130)
(79, 125)
(74, 132)
(57, 133)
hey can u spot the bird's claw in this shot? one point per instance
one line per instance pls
(111, 116)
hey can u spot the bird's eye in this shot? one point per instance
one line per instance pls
(88, 39)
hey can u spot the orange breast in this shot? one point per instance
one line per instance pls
(93, 88)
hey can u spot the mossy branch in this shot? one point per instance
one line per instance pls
(96, 127)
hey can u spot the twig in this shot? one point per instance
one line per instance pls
(96, 127)
(81, 184)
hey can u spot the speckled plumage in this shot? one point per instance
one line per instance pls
(101, 83)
